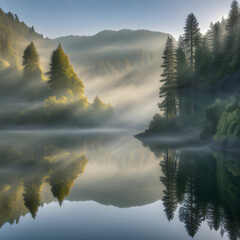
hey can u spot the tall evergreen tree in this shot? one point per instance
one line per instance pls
(62, 77)
(216, 38)
(233, 38)
(192, 38)
(182, 69)
(167, 90)
(203, 62)
(31, 65)
(233, 19)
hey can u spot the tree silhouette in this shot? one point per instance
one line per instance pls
(207, 188)
(233, 19)
(182, 69)
(192, 38)
(215, 217)
(231, 48)
(167, 92)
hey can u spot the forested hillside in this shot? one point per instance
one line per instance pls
(31, 94)
(14, 35)
(111, 52)
(200, 83)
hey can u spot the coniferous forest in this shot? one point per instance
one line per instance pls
(199, 90)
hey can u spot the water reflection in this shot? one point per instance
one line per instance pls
(195, 185)
(24, 173)
(34, 164)
(206, 186)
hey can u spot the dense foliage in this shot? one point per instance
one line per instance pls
(195, 74)
(223, 122)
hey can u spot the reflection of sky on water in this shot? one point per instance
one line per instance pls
(90, 220)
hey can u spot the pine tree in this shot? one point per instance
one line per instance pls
(233, 20)
(216, 43)
(232, 41)
(182, 69)
(62, 77)
(216, 38)
(203, 61)
(31, 66)
(16, 18)
(32, 29)
(192, 39)
(167, 90)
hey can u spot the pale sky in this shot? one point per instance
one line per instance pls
(55, 18)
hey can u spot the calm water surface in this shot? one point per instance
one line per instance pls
(109, 185)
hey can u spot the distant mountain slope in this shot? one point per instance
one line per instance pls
(122, 38)
(114, 51)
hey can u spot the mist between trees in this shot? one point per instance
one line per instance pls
(200, 83)
(54, 98)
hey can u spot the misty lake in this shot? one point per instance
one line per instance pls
(106, 184)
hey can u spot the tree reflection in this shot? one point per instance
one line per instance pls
(62, 178)
(169, 165)
(205, 186)
(20, 190)
(32, 196)
(189, 212)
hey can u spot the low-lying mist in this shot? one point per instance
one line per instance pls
(122, 68)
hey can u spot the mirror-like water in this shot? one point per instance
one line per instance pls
(109, 185)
